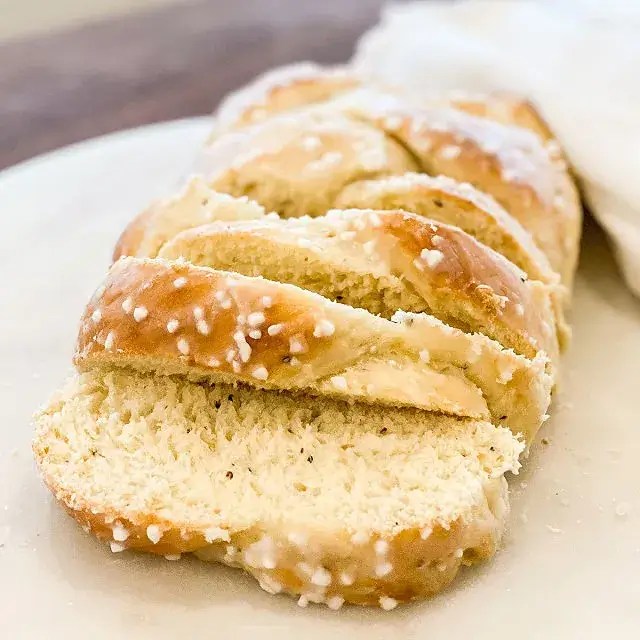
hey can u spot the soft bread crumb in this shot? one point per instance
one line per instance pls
(327, 489)
(140, 422)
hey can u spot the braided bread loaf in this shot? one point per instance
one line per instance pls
(328, 395)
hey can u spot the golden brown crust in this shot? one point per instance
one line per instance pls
(176, 310)
(282, 89)
(485, 279)
(456, 204)
(332, 570)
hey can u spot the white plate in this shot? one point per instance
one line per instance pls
(571, 563)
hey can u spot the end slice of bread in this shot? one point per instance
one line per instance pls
(329, 501)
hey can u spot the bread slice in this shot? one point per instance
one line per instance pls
(455, 203)
(473, 211)
(297, 165)
(383, 261)
(176, 318)
(318, 498)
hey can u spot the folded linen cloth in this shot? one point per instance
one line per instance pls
(579, 62)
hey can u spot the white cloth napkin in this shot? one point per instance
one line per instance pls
(579, 60)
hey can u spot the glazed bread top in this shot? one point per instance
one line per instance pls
(296, 164)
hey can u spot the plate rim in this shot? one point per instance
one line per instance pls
(110, 137)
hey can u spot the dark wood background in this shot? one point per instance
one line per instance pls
(170, 63)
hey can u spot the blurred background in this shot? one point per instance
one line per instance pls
(73, 69)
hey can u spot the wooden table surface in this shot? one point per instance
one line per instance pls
(169, 63)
